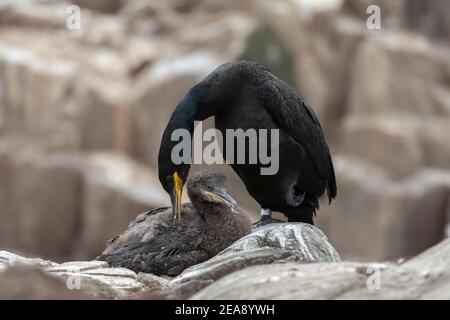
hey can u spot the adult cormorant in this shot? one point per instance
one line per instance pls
(155, 243)
(245, 95)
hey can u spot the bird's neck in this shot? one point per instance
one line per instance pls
(181, 121)
(197, 105)
(210, 212)
(184, 115)
(216, 219)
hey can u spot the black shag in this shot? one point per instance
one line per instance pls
(155, 243)
(246, 95)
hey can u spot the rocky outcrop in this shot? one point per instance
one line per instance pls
(31, 283)
(382, 97)
(276, 243)
(259, 266)
(424, 277)
(87, 278)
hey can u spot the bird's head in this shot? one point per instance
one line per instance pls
(208, 188)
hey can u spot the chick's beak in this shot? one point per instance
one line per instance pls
(221, 196)
(175, 197)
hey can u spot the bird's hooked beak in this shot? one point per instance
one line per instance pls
(221, 196)
(175, 197)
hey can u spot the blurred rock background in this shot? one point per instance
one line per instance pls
(82, 112)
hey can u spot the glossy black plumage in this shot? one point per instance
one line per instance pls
(154, 243)
(247, 95)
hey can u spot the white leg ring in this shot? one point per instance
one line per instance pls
(266, 212)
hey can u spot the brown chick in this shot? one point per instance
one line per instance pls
(155, 243)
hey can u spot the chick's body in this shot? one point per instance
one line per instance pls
(154, 243)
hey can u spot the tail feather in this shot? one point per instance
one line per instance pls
(331, 183)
